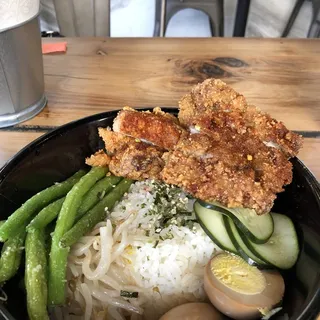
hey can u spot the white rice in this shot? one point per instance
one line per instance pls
(163, 262)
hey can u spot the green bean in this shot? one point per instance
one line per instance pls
(50, 212)
(67, 215)
(46, 215)
(36, 274)
(97, 192)
(95, 215)
(25, 213)
(11, 254)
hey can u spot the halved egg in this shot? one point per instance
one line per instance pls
(239, 290)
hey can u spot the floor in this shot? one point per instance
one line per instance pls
(135, 18)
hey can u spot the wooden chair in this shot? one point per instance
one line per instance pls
(78, 18)
(166, 9)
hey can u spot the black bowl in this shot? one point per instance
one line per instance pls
(58, 154)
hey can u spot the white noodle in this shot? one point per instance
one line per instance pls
(80, 249)
(101, 224)
(105, 260)
(76, 310)
(79, 298)
(96, 244)
(119, 261)
(119, 303)
(133, 288)
(135, 316)
(110, 282)
(96, 258)
(86, 264)
(122, 226)
(102, 315)
(97, 227)
(119, 248)
(117, 274)
(110, 292)
(73, 270)
(115, 314)
(88, 300)
(136, 278)
(76, 260)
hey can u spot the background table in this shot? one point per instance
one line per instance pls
(281, 76)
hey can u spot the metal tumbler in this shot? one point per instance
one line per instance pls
(21, 73)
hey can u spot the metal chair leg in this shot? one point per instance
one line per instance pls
(314, 30)
(157, 19)
(163, 18)
(242, 13)
(292, 19)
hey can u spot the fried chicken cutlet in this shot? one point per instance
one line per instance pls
(130, 157)
(157, 127)
(136, 145)
(227, 158)
(233, 170)
(99, 159)
(212, 105)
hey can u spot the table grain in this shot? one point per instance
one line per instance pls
(281, 76)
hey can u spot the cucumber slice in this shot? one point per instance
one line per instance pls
(212, 223)
(258, 228)
(241, 247)
(282, 249)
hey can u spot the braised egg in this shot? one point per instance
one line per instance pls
(239, 290)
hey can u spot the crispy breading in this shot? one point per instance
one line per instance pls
(233, 170)
(268, 129)
(114, 142)
(99, 159)
(158, 111)
(207, 97)
(132, 158)
(213, 104)
(138, 161)
(156, 127)
(229, 160)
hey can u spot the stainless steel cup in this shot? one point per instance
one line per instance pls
(21, 73)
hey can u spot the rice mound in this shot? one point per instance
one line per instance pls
(165, 252)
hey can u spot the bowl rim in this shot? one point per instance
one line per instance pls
(311, 308)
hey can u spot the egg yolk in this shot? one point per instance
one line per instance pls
(235, 273)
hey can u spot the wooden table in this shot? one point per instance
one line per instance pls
(281, 76)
